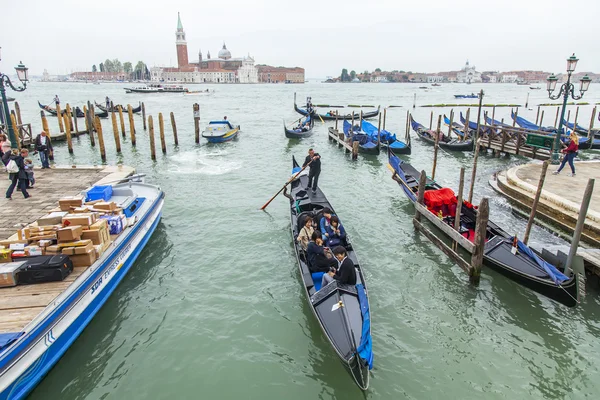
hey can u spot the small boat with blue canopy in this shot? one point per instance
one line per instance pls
(466, 96)
(220, 131)
(523, 265)
(342, 310)
(302, 130)
(445, 141)
(387, 138)
(367, 144)
(46, 318)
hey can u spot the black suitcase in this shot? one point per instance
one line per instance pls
(44, 269)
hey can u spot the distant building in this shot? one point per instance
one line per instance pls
(269, 74)
(509, 78)
(489, 76)
(99, 76)
(379, 79)
(435, 78)
(468, 74)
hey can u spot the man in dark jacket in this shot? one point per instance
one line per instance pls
(43, 145)
(318, 260)
(315, 169)
(346, 273)
(19, 177)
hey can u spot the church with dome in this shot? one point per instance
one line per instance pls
(223, 69)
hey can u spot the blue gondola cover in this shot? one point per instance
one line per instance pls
(365, 348)
(550, 269)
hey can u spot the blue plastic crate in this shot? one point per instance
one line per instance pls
(99, 193)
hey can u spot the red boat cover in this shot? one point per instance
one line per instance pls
(442, 200)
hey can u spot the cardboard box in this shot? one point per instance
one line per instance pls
(32, 251)
(66, 203)
(78, 250)
(8, 273)
(45, 243)
(70, 233)
(52, 249)
(83, 260)
(5, 256)
(17, 246)
(78, 219)
(106, 206)
(54, 218)
(76, 243)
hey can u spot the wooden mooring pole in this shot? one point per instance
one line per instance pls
(161, 130)
(556, 119)
(451, 122)
(477, 132)
(459, 202)
(174, 126)
(92, 124)
(18, 112)
(151, 130)
(98, 126)
(590, 131)
(197, 122)
(480, 236)
(59, 117)
(45, 122)
(113, 117)
(131, 124)
(536, 200)
(537, 115)
(431, 119)
(474, 172)
(85, 119)
(585, 204)
(144, 114)
(13, 121)
(384, 117)
(67, 117)
(436, 146)
(121, 120)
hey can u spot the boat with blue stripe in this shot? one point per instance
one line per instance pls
(387, 138)
(342, 310)
(29, 352)
(220, 131)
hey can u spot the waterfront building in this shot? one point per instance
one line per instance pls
(468, 74)
(435, 78)
(269, 74)
(509, 78)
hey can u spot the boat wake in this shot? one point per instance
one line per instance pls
(198, 162)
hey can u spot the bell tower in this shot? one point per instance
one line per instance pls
(182, 53)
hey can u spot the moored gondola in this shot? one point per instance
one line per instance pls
(367, 144)
(134, 110)
(445, 141)
(342, 310)
(584, 142)
(52, 111)
(523, 266)
(332, 116)
(303, 130)
(388, 139)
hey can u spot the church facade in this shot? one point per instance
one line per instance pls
(468, 74)
(223, 69)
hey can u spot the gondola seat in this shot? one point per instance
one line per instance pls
(317, 277)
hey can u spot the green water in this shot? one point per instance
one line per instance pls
(214, 309)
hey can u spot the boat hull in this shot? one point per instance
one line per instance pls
(227, 137)
(298, 135)
(353, 115)
(24, 366)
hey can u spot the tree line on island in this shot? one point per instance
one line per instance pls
(366, 76)
(139, 72)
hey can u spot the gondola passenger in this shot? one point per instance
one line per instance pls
(325, 222)
(345, 273)
(319, 257)
(305, 233)
(336, 232)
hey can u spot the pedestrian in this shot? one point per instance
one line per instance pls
(4, 145)
(569, 154)
(29, 170)
(17, 173)
(315, 169)
(43, 144)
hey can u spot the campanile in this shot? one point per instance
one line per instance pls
(182, 53)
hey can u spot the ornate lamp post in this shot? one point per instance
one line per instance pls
(566, 89)
(5, 82)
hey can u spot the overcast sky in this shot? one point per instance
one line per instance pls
(322, 36)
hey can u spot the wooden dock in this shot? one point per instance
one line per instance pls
(339, 138)
(510, 140)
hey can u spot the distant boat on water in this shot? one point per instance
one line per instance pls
(153, 88)
(466, 96)
(435, 84)
(534, 87)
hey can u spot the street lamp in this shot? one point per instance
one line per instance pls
(5, 82)
(566, 89)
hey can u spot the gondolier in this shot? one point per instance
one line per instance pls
(315, 169)
(56, 100)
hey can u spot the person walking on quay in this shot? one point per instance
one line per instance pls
(17, 173)
(43, 144)
(4, 146)
(315, 169)
(570, 152)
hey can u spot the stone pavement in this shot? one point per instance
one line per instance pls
(50, 185)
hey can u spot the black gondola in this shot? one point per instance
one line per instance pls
(52, 111)
(445, 142)
(367, 143)
(525, 267)
(341, 117)
(341, 310)
(299, 133)
(134, 110)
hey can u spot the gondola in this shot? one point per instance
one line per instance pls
(388, 139)
(366, 143)
(116, 108)
(525, 267)
(445, 142)
(52, 111)
(341, 117)
(300, 133)
(584, 142)
(341, 310)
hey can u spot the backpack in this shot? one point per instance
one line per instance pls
(12, 167)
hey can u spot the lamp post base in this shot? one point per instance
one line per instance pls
(555, 158)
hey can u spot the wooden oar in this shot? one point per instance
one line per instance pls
(284, 186)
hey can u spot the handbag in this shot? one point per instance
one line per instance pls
(12, 167)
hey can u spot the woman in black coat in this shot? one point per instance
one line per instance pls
(20, 177)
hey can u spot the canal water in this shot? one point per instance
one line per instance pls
(213, 308)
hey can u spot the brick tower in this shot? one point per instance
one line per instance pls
(182, 53)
